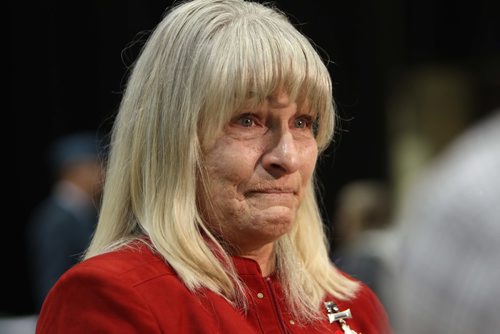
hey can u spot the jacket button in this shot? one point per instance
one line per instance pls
(260, 295)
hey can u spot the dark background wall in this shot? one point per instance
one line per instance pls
(69, 64)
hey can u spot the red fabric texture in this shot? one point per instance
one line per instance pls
(135, 291)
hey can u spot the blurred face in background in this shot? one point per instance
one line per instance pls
(88, 175)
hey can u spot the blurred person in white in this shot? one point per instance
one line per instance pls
(447, 260)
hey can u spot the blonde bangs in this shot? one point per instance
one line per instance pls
(266, 57)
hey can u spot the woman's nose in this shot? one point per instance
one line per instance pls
(282, 155)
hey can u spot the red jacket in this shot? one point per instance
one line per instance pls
(134, 291)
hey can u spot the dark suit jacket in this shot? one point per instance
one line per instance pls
(56, 237)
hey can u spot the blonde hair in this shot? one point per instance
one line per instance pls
(203, 62)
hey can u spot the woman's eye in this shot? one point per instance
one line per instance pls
(302, 123)
(245, 121)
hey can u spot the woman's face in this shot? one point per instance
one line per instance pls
(258, 172)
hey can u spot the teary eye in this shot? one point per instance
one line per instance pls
(303, 122)
(245, 121)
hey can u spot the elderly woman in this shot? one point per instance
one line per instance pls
(209, 222)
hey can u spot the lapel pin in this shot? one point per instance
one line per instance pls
(334, 314)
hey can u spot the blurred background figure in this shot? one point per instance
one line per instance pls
(361, 216)
(446, 258)
(61, 226)
(19, 324)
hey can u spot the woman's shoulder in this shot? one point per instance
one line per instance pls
(132, 263)
(108, 288)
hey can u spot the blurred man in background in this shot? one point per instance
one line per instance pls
(62, 225)
(362, 214)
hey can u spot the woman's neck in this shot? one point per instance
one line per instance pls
(264, 256)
